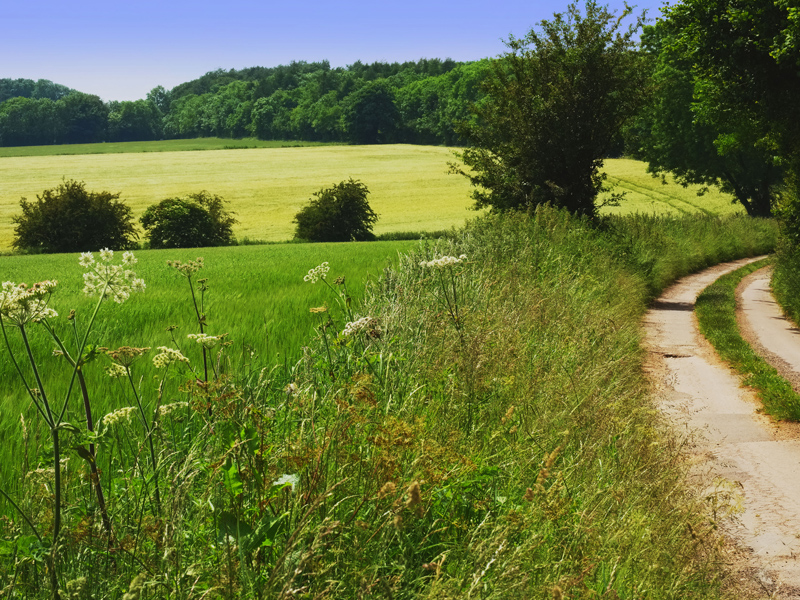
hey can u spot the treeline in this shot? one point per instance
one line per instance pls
(413, 102)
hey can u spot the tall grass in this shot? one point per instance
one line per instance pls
(479, 427)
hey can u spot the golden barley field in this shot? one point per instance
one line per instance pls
(410, 187)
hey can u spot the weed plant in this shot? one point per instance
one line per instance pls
(478, 427)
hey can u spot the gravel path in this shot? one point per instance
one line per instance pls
(738, 454)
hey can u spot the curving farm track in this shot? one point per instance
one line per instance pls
(739, 456)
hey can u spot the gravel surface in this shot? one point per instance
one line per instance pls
(741, 457)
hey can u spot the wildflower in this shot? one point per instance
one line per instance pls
(167, 356)
(317, 273)
(444, 261)
(205, 340)
(110, 281)
(21, 304)
(291, 479)
(125, 355)
(291, 389)
(117, 370)
(368, 325)
(121, 414)
(188, 268)
(166, 409)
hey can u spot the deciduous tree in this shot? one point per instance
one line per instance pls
(554, 104)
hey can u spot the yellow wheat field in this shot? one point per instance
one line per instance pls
(410, 187)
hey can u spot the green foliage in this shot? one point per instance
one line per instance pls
(687, 130)
(198, 220)
(339, 213)
(749, 52)
(554, 105)
(370, 115)
(68, 218)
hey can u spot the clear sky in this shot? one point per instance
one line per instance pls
(120, 50)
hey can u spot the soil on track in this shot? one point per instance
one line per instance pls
(740, 456)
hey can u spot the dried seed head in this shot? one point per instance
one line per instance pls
(414, 495)
(389, 488)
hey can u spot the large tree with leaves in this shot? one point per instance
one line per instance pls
(749, 50)
(688, 130)
(554, 104)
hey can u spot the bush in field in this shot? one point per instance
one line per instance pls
(199, 220)
(68, 218)
(337, 214)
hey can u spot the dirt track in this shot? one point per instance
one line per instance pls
(738, 453)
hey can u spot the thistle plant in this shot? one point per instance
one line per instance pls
(22, 306)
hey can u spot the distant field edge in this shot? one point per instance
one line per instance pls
(181, 145)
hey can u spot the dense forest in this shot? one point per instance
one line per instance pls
(413, 102)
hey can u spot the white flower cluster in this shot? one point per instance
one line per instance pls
(121, 414)
(317, 273)
(163, 411)
(441, 263)
(112, 281)
(368, 325)
(167, 356)
(291, 479)
(205, 340)
(21, 304)
(188, 268)
(117, 370)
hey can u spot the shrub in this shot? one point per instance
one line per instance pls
(191, 222)
(68, 218)
(337, 214)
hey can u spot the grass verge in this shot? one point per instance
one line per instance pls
(716, 315)
(479, 427)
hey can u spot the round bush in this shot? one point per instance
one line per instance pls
(199, 220)
(337, 214)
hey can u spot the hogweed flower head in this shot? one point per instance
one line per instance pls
(125, 355)
(188, 268)
(368, 325)
(166, 409)
(21, 304)
(121, 414)
(117, 370)
(444, 261)
(317, 273)
(205, 340)
(112, 281)
(167, 356)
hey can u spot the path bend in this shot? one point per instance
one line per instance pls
(736, 450)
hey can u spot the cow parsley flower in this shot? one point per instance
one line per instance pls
(116, 370)
(110, 281)
(167, 356)
(166, 409)
(21, 304)
(121, 414)
(444, 261)
(205, 340)
(368, 325)
(188, 268)
(317, 273)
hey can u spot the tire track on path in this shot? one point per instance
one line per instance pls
(736, 449)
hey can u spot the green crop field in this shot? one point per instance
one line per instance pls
(410, 187)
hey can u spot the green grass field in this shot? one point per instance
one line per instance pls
(192, 144)
(410, 187)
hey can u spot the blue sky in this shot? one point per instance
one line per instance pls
(121, 50)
